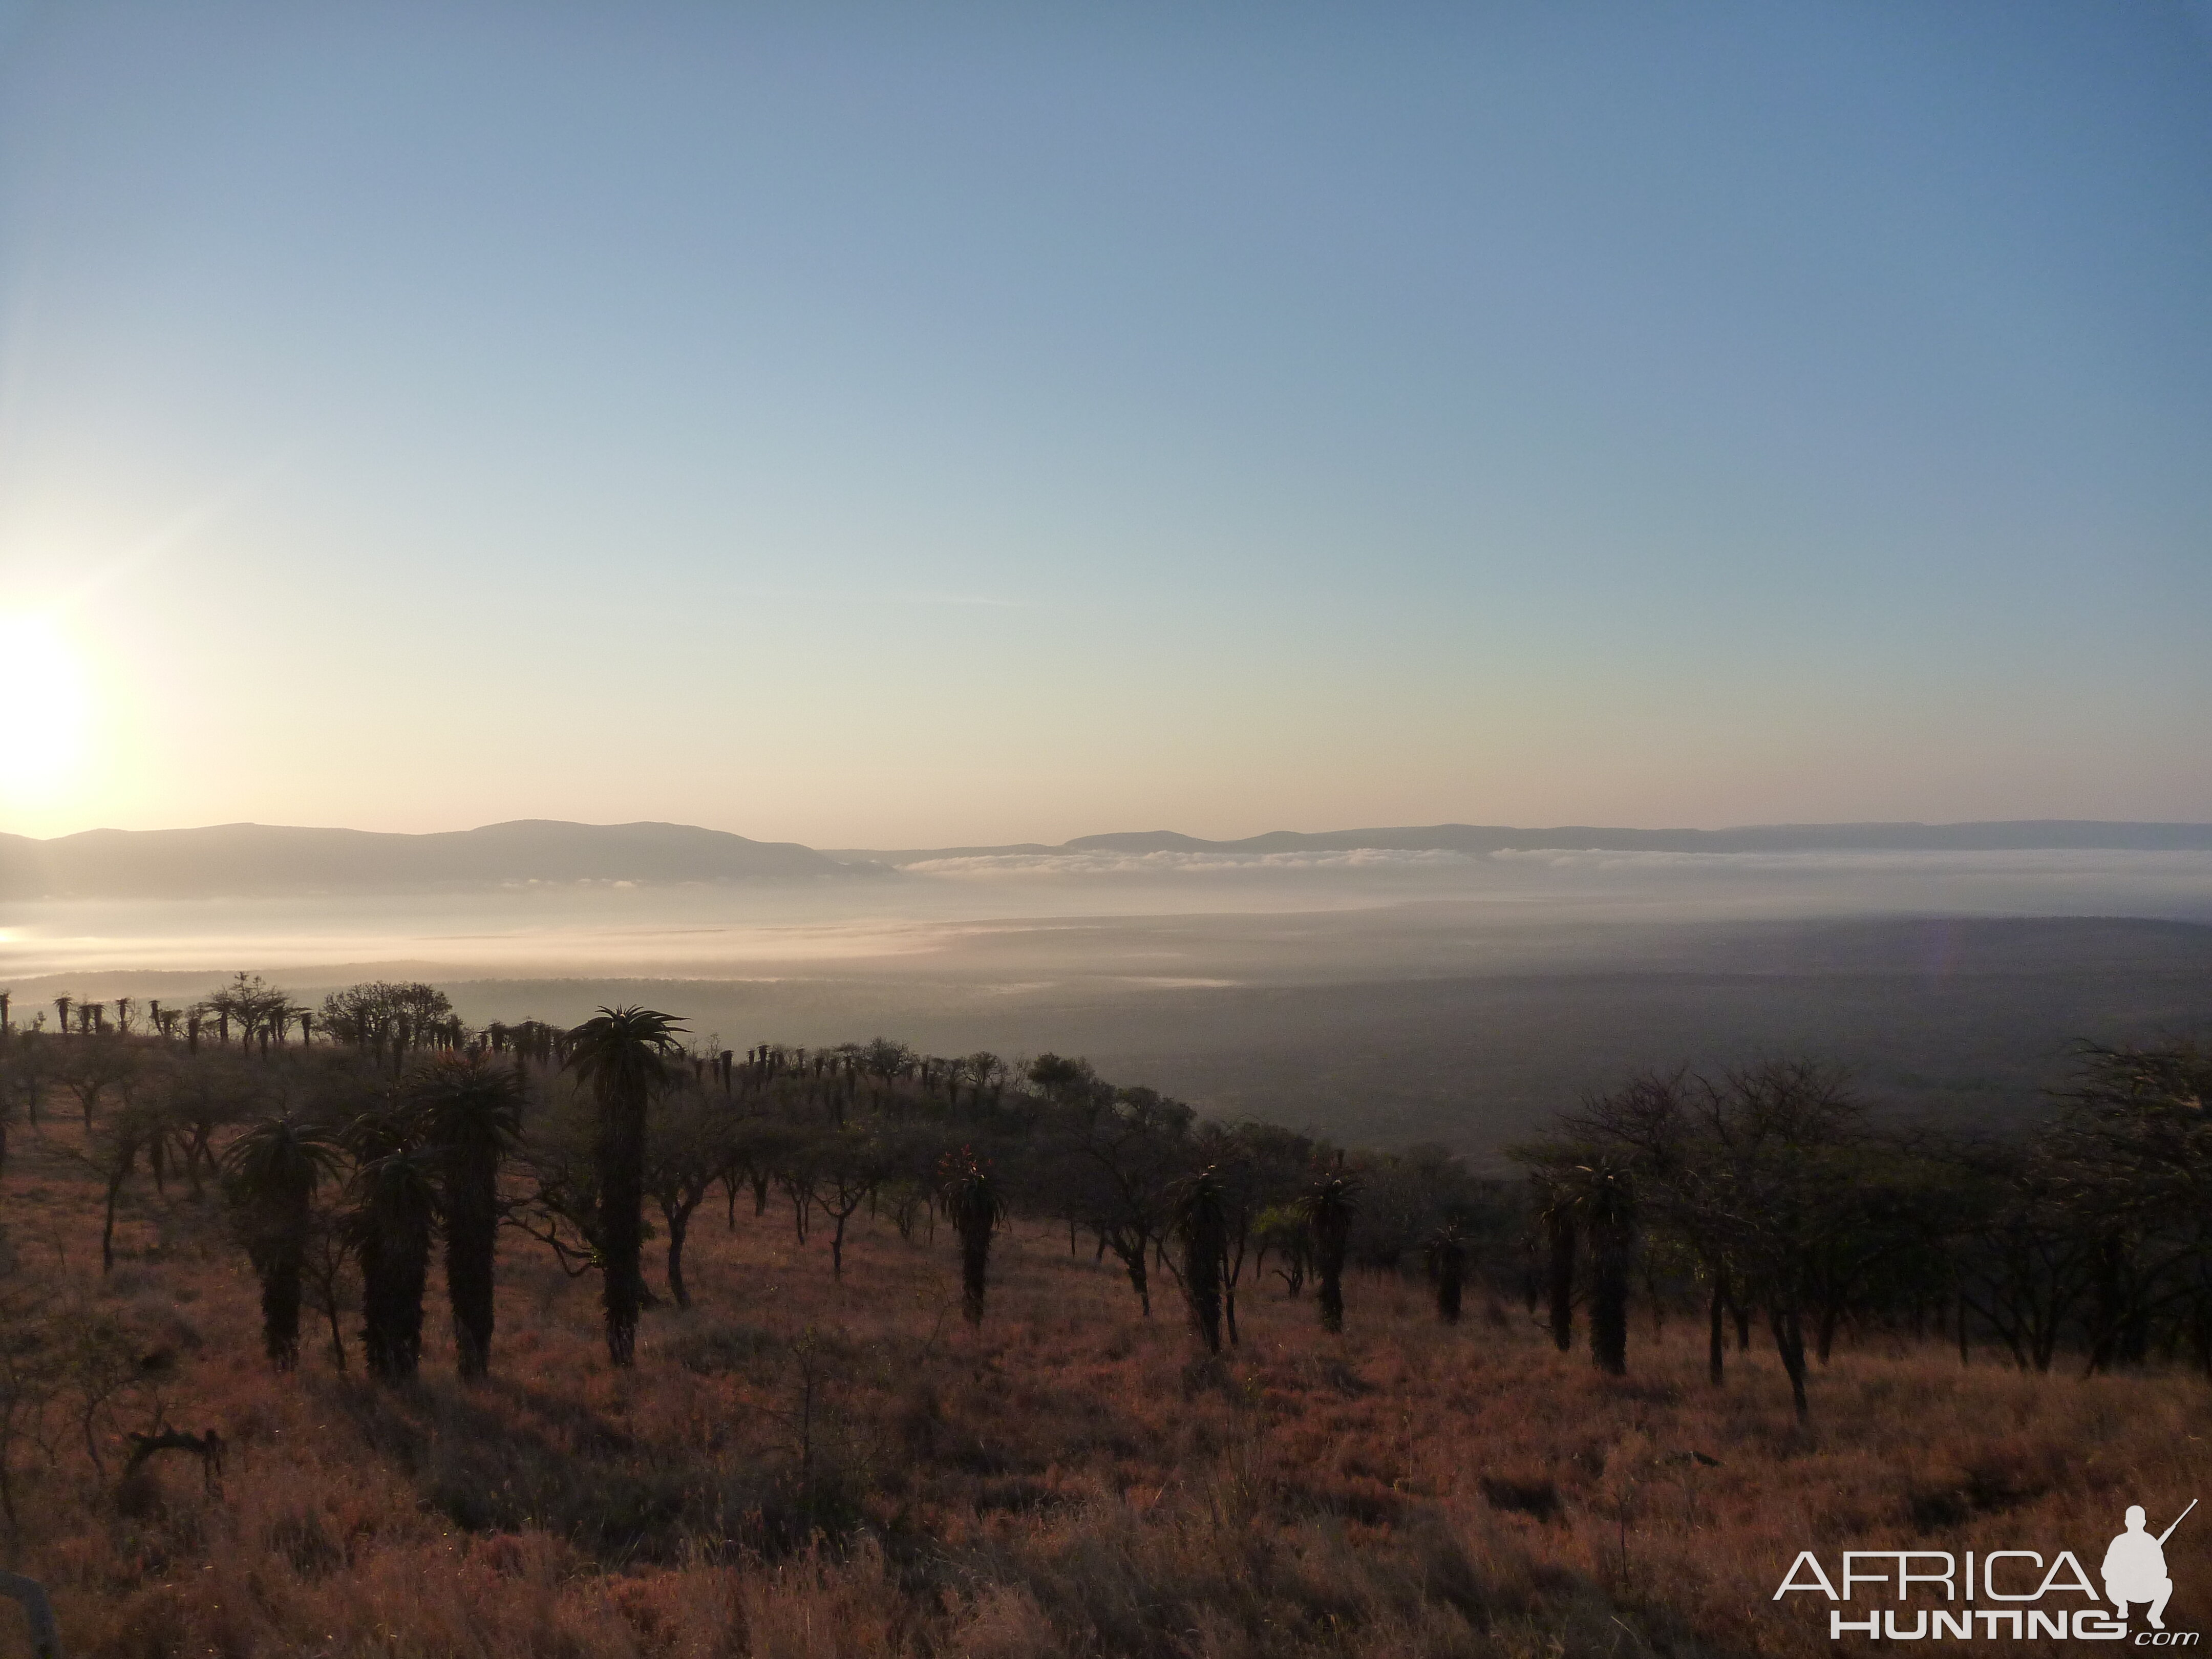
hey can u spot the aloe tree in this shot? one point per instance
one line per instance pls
(270, 1175)
(1607, 1200)
(973, 1201)
(1559, 1211)
(394, 1215)
(622, 1056)
(471, 1108)
(1330, 1203)
(1201, 1224)
(1586, 1201)
(1446, 1252)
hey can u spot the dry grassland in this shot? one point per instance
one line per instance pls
(803, 1469)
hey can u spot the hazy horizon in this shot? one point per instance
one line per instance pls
(853, 848)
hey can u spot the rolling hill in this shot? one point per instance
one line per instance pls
(253, 858)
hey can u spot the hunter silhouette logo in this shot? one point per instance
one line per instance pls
(2135, 1566)
(2018, 1581)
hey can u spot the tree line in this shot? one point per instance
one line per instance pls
(1769, 1197)
(1774, 1195)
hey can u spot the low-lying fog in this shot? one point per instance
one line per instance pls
(1433, 911)
(1378, 996)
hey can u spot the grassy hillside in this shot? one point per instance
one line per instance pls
(800, 1467)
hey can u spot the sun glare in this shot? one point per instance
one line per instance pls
(43, 709)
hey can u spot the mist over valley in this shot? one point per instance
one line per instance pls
(1452, 984)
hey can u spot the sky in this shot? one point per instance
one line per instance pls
(916, 425)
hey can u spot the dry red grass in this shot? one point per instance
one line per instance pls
(1070, 1480)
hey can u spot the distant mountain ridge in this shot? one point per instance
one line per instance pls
(2015, 835)
(2027, 834)
(248, 860)
(240, 860)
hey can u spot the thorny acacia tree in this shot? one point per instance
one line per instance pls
(2130, 1160)
(1771, 1178)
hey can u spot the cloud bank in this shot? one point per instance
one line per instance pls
(2056, 861)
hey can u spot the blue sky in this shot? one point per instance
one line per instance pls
(899, 425)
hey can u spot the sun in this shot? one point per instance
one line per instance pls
(44, 709)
